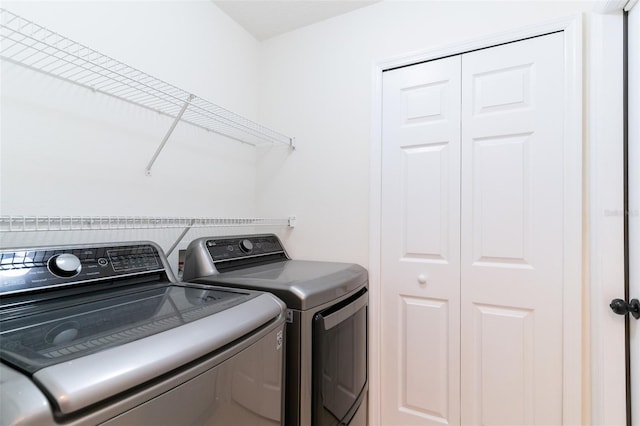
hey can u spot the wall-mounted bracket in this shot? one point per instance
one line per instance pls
(168, 134)
(182, 235)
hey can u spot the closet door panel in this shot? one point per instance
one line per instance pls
(420, 258)
(512, 228)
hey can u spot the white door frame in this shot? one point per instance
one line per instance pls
(573, 295)
(606, 218)
(633, 27)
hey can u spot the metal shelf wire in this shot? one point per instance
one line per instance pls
(107, 223)
(28, 44)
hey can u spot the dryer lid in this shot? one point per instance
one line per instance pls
(301, 284)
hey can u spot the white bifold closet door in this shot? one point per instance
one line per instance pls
(512, 227)
(420, 271)
(472, 238)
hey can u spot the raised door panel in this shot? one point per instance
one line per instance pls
(420, 261)
(422, 318)
(425, 230)
(512, 228)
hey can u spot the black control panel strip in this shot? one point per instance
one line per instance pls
(48, 267)
(245, 247)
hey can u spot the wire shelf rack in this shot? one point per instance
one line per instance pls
(28, 44)
(99, 223)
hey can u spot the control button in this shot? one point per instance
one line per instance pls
(39, 257)
(65, 265)
(246, 246)
(103, 262)
(19, 258)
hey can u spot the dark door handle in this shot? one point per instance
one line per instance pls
(621, 307)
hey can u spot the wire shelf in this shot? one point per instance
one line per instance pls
(28, 44)
(99, 223)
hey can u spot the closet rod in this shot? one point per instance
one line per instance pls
(102, 223)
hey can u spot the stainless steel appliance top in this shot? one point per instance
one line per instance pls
(88, 322)
(259, 262)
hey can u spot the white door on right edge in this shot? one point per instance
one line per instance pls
(634, 205)
(472, 238)
(512, 233)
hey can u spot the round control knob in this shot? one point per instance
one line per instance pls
(246, 246)
(65, 265)
(422, 279)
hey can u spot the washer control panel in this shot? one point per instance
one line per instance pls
(229, 248)
(30, 269)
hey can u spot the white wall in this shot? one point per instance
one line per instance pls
(317, 83)
(314, 83)
(68, 151)
(65, 150)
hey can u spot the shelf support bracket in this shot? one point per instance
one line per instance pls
(184, 232)
(168, 134)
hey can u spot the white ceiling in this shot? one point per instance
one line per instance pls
(269, 18)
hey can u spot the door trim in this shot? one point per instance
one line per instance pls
(573, 214)
(606, 222)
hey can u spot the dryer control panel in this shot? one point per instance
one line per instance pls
(223, 249)
(31, 269)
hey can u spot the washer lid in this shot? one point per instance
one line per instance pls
(301, 284)
(81, 354)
